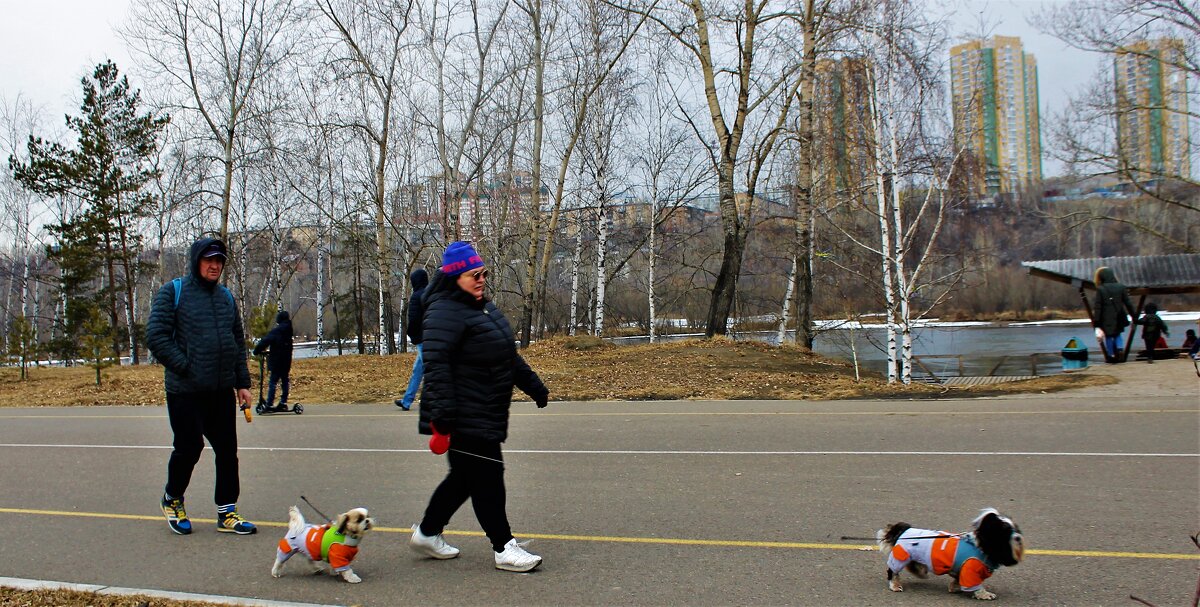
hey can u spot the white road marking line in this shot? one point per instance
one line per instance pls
(632, 452)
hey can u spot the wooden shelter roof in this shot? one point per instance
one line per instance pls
(1142, 275)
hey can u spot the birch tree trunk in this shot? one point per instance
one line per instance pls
(785, 314)
(882, 179)
(576, 262)
(805, 220)
(653, 259)
(601, 269)
(320, 294)
(533, 8)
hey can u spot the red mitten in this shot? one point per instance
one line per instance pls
(438, 443)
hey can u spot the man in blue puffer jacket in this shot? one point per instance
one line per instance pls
(195, 331)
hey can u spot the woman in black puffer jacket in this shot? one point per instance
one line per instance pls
(471, 366)
(1113, 310)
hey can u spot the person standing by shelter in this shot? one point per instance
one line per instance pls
(278, 345)
(195, 331)
(1112, 311)
(416, 312)
(1154, 330)
(471, 366)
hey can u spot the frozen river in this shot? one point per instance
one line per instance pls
(995, 348)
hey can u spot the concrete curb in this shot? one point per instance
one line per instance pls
(24, 584)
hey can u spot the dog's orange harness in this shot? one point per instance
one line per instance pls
(321, 544)
(943, 553)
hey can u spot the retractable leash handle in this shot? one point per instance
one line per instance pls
(246, 411)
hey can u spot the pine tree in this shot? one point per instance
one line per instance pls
(22, 347)
(111, 162)
(94, 337)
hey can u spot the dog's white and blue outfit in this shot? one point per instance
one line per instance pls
(943, 553)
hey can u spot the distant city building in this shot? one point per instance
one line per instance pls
(994, 84)
(844, 144)
(1152, 108)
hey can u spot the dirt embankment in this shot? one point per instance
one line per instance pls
(573, 368)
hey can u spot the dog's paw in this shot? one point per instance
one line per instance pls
(983, 595)
(277, 569)
(350, 576)
(895, 586)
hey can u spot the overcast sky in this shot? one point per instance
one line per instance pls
(47, 45)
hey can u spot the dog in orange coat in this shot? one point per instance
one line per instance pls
(334, 544)
(968, 558)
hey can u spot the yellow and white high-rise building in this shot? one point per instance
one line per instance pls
(994, 85)
(1152, 108)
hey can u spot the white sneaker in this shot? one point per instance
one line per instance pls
(431, 546)
(516, 558)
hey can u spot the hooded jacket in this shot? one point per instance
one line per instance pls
(1154, 325)
(279, 341)
(200, 343)
(471, 364)
(416, 309)
(1112, 304)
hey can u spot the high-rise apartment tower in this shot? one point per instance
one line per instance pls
(844, 146)
(1152, 108)
(995, 104)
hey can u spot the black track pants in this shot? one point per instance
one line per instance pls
(481, 480)
(196, 416)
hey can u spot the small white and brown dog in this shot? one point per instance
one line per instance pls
(335, 543)
(968, 558)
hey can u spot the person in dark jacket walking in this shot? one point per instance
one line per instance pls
(278, 345)
(1113, 310)
(1154, 329)
(416, 309)
(471, 366)
(195, 331)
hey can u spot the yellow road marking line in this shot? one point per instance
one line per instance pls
(675, 413)
(633, 540)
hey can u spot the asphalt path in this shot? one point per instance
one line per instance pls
(646, 503)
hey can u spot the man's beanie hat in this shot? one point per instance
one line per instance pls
(460, 257)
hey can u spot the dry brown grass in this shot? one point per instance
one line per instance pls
(11, 597)
(574, 369)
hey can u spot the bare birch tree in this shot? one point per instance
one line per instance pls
(903, 51)
(746, 112)
(374, 34)
(20, 209)
(215, 53)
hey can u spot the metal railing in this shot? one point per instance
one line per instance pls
(1034, 359)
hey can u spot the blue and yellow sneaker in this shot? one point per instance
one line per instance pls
(177, 517)
(232, 522)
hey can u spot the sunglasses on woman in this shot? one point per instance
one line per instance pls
(478, 274)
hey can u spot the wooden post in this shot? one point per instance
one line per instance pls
(1133, 327)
